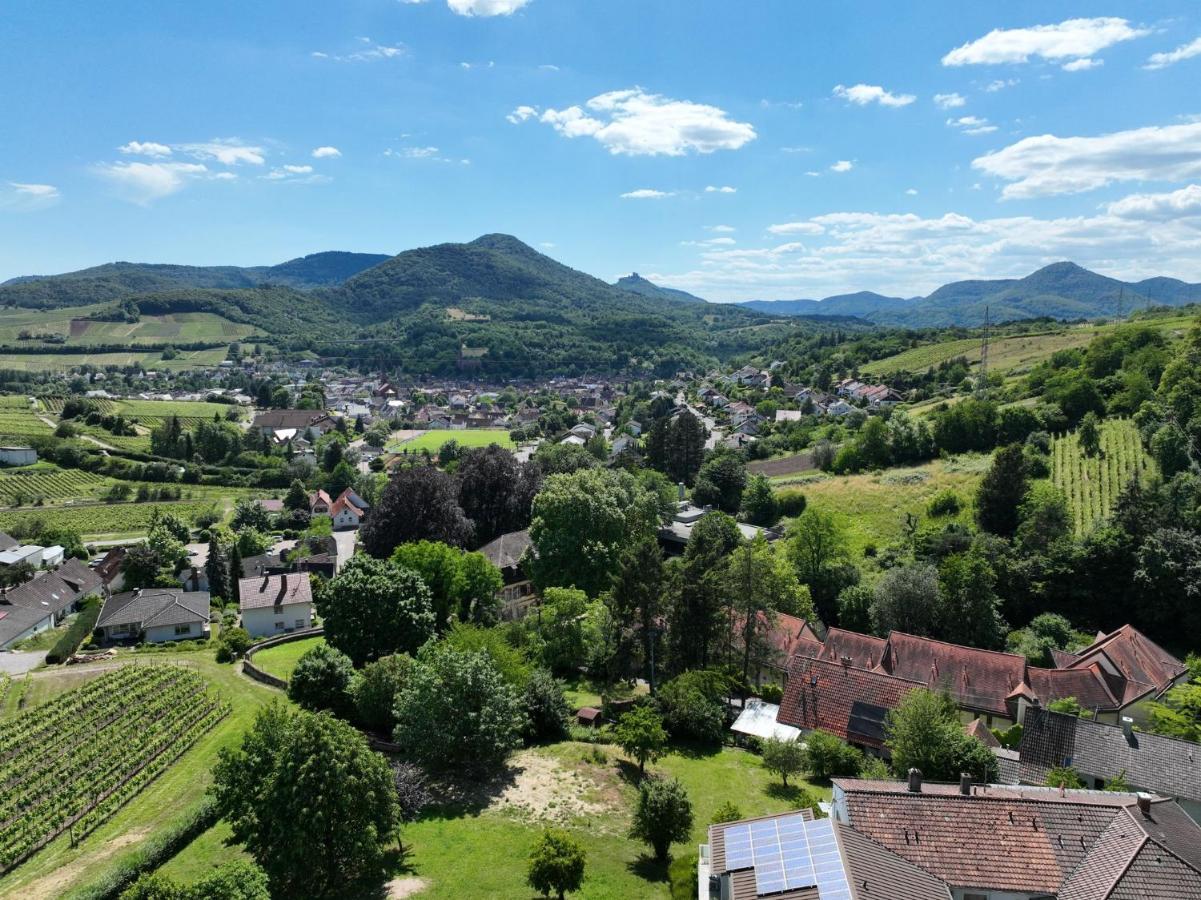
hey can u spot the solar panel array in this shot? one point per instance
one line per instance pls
(788, 853)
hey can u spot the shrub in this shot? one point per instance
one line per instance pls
(727, 812)
(233, 643)
(770, 692)
(783, 758)
(790, 504)
(556, 864)
(692, 706)
(640, 734)
(546, 708)
(323, 679)
(945, 503)
(875, 769)
(376, 689)
(1064, 776)
(663, 815)
(81, 628)
(828, 756)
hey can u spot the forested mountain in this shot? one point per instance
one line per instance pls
(321, 269)
(636, 284)
(1061, 290)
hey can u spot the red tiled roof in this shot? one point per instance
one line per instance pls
(981, 732)
(1135, 656)
(344, 502)
(864, 650)
(977, 679)
(842, 700)
(1088, 685)
(274, 590)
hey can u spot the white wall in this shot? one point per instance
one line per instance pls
(160, 633)
(265, 621)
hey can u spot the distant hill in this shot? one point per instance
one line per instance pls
(1062, 290)
(321, 269)
(636, 284)
(863, 304)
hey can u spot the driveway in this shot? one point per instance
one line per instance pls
(18, 662)
(345, 542)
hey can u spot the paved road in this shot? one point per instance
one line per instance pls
(18, 662)
(345, 542)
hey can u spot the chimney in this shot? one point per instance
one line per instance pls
(1144, 804)
(1128, 728)
(965, 784)
(846, 661)
(915, 781)
(680, 490)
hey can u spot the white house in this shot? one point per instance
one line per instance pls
(155, 615)
(275, 604)
(348, 510)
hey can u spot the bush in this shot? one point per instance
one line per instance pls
(556, 864)
(81, 628)
(945, 503)
(827, 756)
(783, 758)
(692, 706)
(323, 679)
(770, 692)
(545, 707)
(790, 504)
(727, 812)
(233, 644)
(663, 815)
(376, 689)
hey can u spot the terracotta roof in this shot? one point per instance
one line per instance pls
(345, 502)
(879, 874)
(977, 679)
(1135, 656)
(864, 650)
(1090, 685)
(288, 418)
(1151, 762)
(1039, 841)
(981, 732)
(270, 591)
(851, 703)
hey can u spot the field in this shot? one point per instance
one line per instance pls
(73, 324)
(68, 766)
(1092, 484)
(19, 420)
(60, 362)
(150, 413)
(872, 506)
(1014, 352)
(433, 440)
(172, 796)
(281, 659)
(50, 484)
(100, 520)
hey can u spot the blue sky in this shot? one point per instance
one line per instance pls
(756, 149)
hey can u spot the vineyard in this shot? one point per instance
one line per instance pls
(150, 413)
(71, 764)
(1092, 484)
(105, 519)
(22, 423)
(46, 483)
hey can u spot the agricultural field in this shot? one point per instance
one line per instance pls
(73, 324)
(872, 506)
(62, 362)
(1092, 484)
(107, 520)
(59, 868)
(49, 484)
(1012, 352)
(150, 413)
(19, 420)
(433, 440)
(69, 765)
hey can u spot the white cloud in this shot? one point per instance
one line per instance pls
(548, 245)
(490, 64)
(711, 242)
(812, 174)
(1183, 203)
(486, 7)
(326, 153)
(1047, 164)
(28, 197)
(226, 151)
(414, 152)
(635, 123)
(369, 51)
(863, 94)
(1071, 39)
(298, 170)
(949, 101)
(721, 229)
(143, 183)
(647, 194)
(1083, 65)
(999, 84)
(1183, 52)
(912, 192)
(547, 67)
(907, 255)
(796, 228)
(972, 125)
(145, 148)
(521, 114)
(843, 165)
(724, 189)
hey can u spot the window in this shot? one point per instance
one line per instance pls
(975, 897)
(279, 626)
(300, 623)
(183, 629)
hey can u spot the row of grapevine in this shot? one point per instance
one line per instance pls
(71, 764)
(22, 486)
(1092, 484)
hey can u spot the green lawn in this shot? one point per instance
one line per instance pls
(281, 660)
(872, 505)
(433, 440)
(58, 868)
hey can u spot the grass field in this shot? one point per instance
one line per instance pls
(1092, 484)
(61, 362)
(1012, 352)
(281, 659)
(59, 867)
(872, 506)
(433, 440)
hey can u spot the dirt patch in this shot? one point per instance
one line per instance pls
(409, 886)
(787, 465)
(79, 327)
(405, 435)
(55, 884)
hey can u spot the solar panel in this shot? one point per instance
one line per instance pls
(789, 853)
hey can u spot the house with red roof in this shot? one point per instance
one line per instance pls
(348, 511)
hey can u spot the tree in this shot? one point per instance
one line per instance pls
(340, 479)
(721, 482)
(663, 815)
(696, 623)
(582, 521)
(233, 643)
(238, 880)
(562, 624)
(1089, 435)
(457, 712)
(376, 688)
(968, 604)
(311, 802)
(374, 608)
(556, 864)
(438, 565)
(323, 679)
(634, 604)
(727, 812)
(419, 503)
(1068, 706)
(495, 491)
(759, 506)
(827, 756)
(641, 735)
(216, 569)
(297, 497)
(923, 732)
(906, 599)
(1063, 777)
(694, 705)
(676, 447)
(546, 710)
(817, 547)
(855, 608)
(1002, 491)
(1178, 714)
(1045, 518)
(783, 758)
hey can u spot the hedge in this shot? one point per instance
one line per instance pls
(83, 626)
